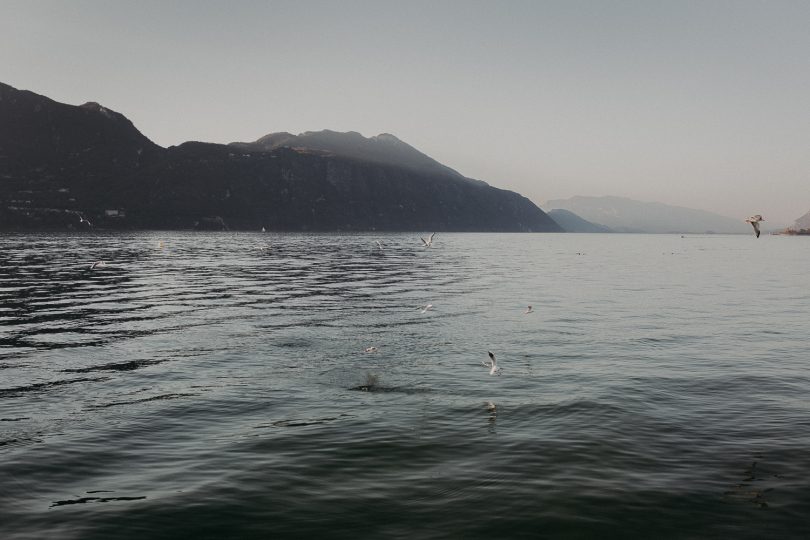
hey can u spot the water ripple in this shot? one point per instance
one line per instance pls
(218, 387)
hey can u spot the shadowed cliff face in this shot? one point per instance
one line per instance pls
(58, 160)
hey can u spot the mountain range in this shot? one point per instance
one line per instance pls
(570, 222)
(627, 215)
(60, 163)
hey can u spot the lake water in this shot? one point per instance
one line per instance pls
(213, 389)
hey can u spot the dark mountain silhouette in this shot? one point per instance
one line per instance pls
(56, 157)
(60, 161)
(570, 222)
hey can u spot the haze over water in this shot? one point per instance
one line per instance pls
(212, 389)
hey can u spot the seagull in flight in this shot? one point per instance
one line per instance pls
(528, 310)
(429, 242)
(754, 221)
(83, 220)
(425, 307)
(97, 264)
(371, 349)
(492, 365)
(379, 245)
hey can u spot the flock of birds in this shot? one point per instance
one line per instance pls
(491, 364)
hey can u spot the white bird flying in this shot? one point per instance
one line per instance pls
(492, 365)
(528, 310)
(97, 264)
(83, 220)
(379, 245)
(425, 307)
(371, 349)
(754, 221)
(429, 241)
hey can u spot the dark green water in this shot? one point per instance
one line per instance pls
(212, 389)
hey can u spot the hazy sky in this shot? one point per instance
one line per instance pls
(696, 103)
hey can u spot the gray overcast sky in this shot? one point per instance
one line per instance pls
(696, 103)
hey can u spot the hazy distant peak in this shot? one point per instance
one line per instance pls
(627, 215)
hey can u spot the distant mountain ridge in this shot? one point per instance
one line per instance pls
(570, 222)
(628, 215)
(59, 162)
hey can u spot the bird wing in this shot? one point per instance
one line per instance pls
(492, 357)
(423, 240)
(430, 239)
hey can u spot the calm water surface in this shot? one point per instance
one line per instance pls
(214, 389)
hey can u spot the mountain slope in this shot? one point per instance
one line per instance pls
(802, 223)
(384, 148)
(570, 222)
(627, 215)
(57, 161)
(289, 190)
